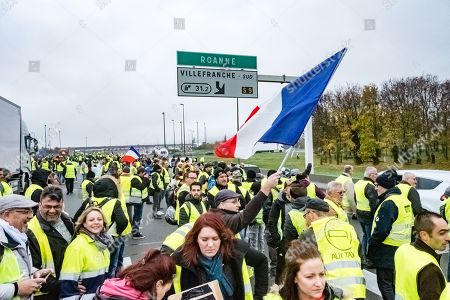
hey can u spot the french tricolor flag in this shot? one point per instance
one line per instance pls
(282, 120)
(131, 156)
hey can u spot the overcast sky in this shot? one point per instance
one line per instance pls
(82, 89)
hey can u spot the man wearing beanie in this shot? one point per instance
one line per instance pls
(87, 185)
(391, 228)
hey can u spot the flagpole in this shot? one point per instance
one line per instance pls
(288, 152)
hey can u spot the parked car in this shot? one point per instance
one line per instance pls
(431, 185)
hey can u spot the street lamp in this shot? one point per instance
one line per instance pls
(184, 132)
(181, 132)
(198, 141)
(173, 127)
(164, 126)
(204, 130)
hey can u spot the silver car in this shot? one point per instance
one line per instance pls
(431, 185)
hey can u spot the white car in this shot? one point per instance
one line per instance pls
(431, 185)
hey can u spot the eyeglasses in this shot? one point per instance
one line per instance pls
(190, 177)
(24, 211)
(306, 213)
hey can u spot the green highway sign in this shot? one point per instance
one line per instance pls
(216, 60)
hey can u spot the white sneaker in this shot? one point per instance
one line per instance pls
(159, 213)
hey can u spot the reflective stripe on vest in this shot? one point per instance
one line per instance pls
(343, 180)
(410, 261)
(9, 268)
(298, 221)
(338, 244)
(362, 203)
(401, 229)
(125, 186)
(183, 188)
(70, 171)
(341, 214)
(31, 189)
(86, 264)
(138, 193)
(192, 211)
(311, 190)
(84, 192)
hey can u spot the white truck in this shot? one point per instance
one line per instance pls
(16, 146)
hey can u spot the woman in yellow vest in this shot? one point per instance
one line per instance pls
(86, 260)
(211, 252)
(304, 276)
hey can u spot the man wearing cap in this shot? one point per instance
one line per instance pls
(87, 185)
(418, 273)
(338, 245)
(49, 233)
(18, 277)
(391, 228)
(221, 178)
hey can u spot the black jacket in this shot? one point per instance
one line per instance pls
(289, 231)
(140, 185)
(58, 247)
(414, 197)
(184, 217)
(380, 254)
(39, 177)
(430, 280)
(192, 276)
(281, 206)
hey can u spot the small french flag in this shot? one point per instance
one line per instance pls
(281, 120)
(131, 156)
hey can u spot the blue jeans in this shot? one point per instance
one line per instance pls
(116, 251)
(367, 231)
(135, 215)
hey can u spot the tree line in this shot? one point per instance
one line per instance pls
(406, 119)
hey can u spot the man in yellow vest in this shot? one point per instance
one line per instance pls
(418, 273)
(408, 188)
(295, 224)
(391, 228)
(313, 190)
(338, 245)
(87, 185)
(193, 205)
(157, 188)
(334, 197)
(18, 278)
(366, 199)
(137, 195)
(221, 178)
(5, 188)
(69, 173)
(39, 180)
(49, 233)
(348, 200)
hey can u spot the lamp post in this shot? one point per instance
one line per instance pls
(181, 132)
(198, 141)
(164, 127)
(204, 130)
(45, 136)
(173, 127)
(184, 132)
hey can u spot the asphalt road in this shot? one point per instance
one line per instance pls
(156, 231)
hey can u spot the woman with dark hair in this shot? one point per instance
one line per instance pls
(86, 259)
(304, 276)
(211, 252)
(148, 278)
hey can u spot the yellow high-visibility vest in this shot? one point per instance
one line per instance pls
(401, 229)
(31, 189)
(338, 244)
(410, 261)
(362, 203)
(343, 180)
(341, 214)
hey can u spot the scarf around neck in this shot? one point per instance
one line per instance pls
(14, 233)
(214, 271)
(101, 240)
